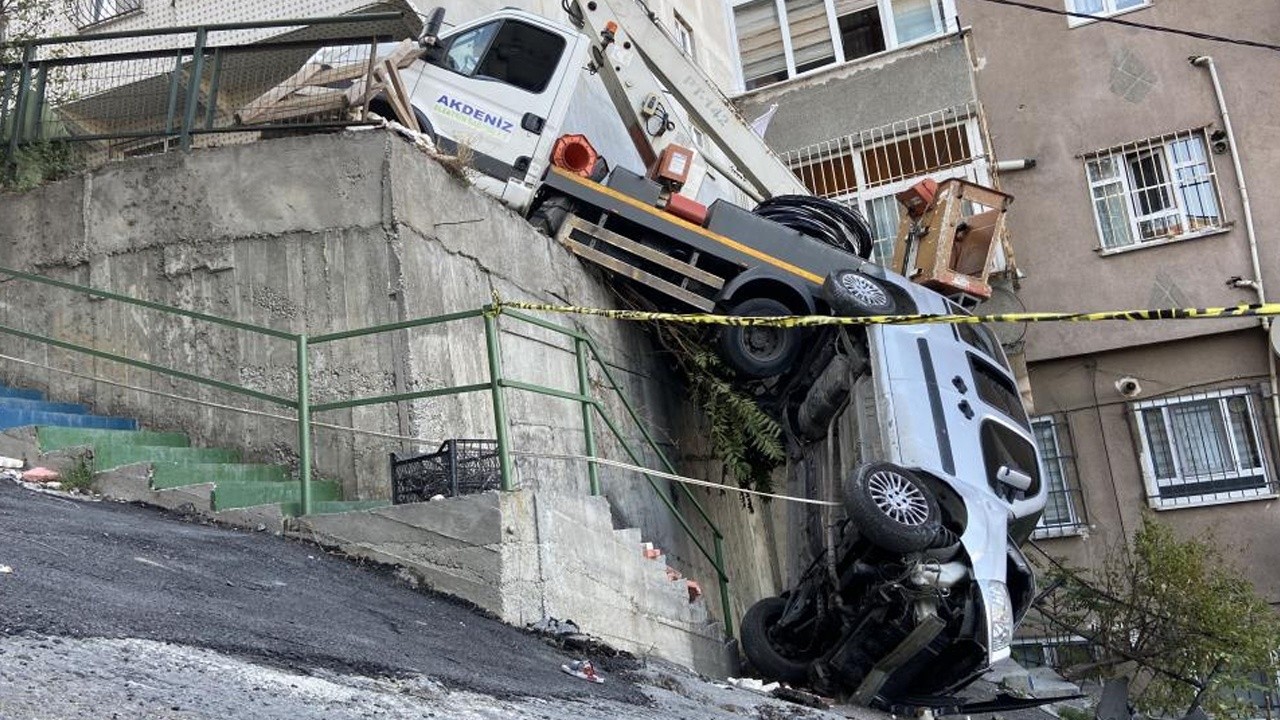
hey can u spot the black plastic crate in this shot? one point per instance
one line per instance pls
(459, 467)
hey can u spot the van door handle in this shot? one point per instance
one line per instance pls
(533, 123)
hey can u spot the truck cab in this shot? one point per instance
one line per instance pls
(500, 86)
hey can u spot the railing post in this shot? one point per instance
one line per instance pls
(588, 413)
(725, 608)
(193, 89)
(499, 402)
(304, 423)
(21, 100)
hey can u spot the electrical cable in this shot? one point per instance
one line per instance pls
(825, 220)
(1141, 26)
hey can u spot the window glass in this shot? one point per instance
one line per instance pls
(760, 43)
(811, 44)
(861, 32)
(522, 55)
(466, 49)
(915, 19)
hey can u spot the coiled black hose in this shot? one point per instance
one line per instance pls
(821, 219)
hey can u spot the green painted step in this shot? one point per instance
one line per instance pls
(55, 438)
(232, 494)
(165, 475)
(113, 455)
(329, 507)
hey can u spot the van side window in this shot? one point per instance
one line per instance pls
(522, 55)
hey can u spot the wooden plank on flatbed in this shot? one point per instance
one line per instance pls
(653, 255)
(625, 269)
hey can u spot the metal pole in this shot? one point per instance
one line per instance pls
(588, 412)
(211, 107)
(20, 102)
(725, 608)
(304, 424)
(499, 402)
(193, 89)
(37, 119)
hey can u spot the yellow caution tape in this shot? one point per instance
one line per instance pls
(797, 321)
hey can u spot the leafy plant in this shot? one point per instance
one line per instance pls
(1175, 617)
(39, 163)
(742, 435)
(80, 476)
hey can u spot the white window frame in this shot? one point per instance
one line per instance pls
(684, 36)
(1108, 10)
(1154, 485)
(1124, 178)
(1075, 524)
(948, 23)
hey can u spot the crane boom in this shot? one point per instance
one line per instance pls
(639, 61)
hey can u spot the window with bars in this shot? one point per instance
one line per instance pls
(778, 39)
(1202, 449)
(1101, 8)
(1156, 190)
(1064, 510)
(1058, 651)
(88, 13)
(867, 170)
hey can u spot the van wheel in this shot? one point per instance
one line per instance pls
(760, 648)
(892, 508)
(759, 352)
(852, 294)
(550, 213)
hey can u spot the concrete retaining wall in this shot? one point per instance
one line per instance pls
(334, 232)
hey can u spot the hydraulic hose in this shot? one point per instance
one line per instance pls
(824, 220)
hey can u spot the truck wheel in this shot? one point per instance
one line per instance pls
(550, 213)
(767, 658)
(892, 508)
(852, 294)
(759, 352)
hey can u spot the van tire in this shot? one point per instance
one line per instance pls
(549, 213)
(853, 294)
(759, 352)
(892, 508)
(759, 647)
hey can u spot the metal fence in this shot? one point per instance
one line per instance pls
(125, 93)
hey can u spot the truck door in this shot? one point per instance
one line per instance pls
(492, 89)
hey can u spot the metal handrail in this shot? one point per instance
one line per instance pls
(584, 348)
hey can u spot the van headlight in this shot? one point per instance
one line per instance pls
(995, 595)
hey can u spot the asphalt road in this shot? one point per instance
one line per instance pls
(113, 571)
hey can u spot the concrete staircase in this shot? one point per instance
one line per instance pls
(159, 468)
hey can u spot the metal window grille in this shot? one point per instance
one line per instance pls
(1056, 651)
(1064, 511)
(87, 13)
(865, 169)
(1159, 189)
(1203, 448)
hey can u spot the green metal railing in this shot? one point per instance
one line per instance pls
(585, 350)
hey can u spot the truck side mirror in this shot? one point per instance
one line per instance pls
(431, 33)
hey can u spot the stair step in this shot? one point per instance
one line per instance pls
(12, 392)
(237, 494)
(55, 438)
(113, 455)
(42, 405)
(13, 417)
(330, 507)
(165, 475)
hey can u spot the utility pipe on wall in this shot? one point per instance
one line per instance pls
(1205, 61)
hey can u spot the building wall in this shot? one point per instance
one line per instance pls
(1106, 446)
(1053, 93)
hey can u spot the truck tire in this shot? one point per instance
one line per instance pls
(759, 352)
(765, 656)
(853, 294)
(892, 508)
(549, 214)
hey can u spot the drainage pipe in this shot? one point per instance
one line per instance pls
(1205, 61)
